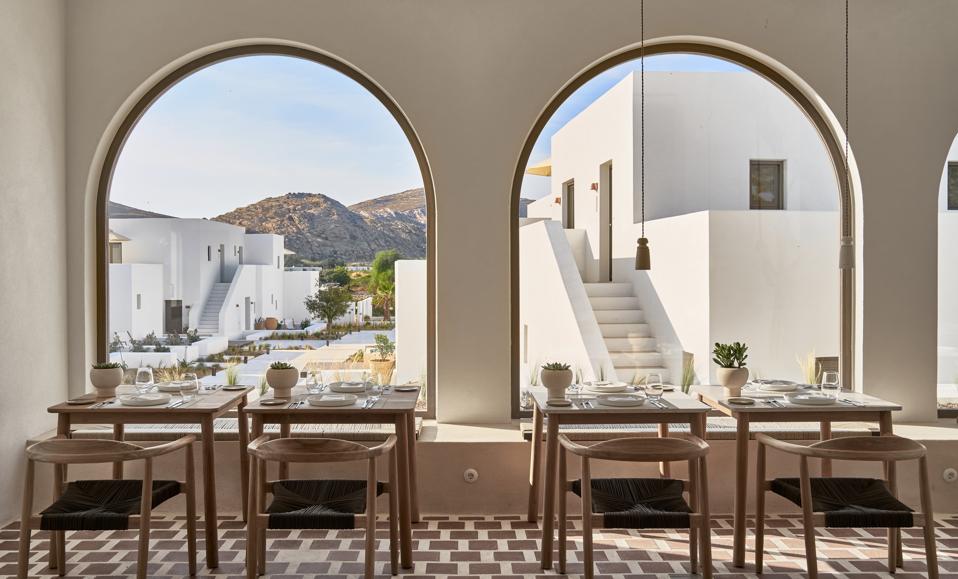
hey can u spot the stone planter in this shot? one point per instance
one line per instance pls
(105, 381)
(556, 382)
(732, 379)
(282, 381)
(382, 370)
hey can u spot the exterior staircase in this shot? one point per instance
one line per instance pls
(628, 338)
(210, 318)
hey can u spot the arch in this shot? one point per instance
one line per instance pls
(825, 123)
(208, 58)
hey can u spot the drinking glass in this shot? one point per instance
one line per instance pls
(831, 384)
(314, 384)
(189, 386)
(653, 386)
(144, 380)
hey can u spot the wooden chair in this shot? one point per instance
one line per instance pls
(848, 502)
(97, 505)
(318, 504)
(639, 503)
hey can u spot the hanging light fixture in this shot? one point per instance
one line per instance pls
(846, 251)
(643, 259)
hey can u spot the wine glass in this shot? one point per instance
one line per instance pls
(653, 386)
(189, 386)
(831, 383)
(144, 380)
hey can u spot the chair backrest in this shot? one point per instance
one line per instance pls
(80, 451)
(316, 449)
(855, 448)
(635, 449)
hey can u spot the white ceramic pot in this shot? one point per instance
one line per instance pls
(282, 381)
(105, 381)
(556, 382)
(732, 379)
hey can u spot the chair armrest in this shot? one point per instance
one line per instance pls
(168, 447)
(383, 448)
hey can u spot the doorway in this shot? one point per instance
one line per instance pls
(605, 221)
(222, 251)
(173, 316)
(248, 308)
(568, 204)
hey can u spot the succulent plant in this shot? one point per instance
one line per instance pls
(730, 355)
(281, 366)
(106, 365)
(557, 366)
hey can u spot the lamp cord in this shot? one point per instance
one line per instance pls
(642, 113)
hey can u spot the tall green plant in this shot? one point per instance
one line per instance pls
(730, 355)
(328, 303)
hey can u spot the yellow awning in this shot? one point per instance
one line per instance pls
(542, 168)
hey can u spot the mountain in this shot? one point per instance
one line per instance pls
(120, 211)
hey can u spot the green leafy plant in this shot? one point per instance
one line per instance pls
(263, 385)
(281, 366)
(151, 339)
(117, 344)
(135, 345)
(232, 375)
(106, 365)
(304, 324)
(384, 346)
(329, 303)
(161, 348)
(730, 355)
(688, 373)
(192, 335)
(173, 339)
(557, 366)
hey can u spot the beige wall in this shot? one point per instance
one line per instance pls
(473, 76)
(33, 240)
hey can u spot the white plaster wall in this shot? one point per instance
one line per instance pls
(264, 249)
(411, 324)
(33, 235)
(127, 280)
(473, 79)
(263, 285)
(947, 283)
(297, 286)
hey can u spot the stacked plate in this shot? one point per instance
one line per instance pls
(811, 399)
(348, 387)
(332, 400)
(150, 399)
(621, 400)
(776, 385)
(603, 387)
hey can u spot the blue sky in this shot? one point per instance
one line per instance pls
(261, 126)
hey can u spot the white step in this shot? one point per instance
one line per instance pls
(614, 303)
(635, 359)
(637, 375)
(619, 316)
(631, 344)
(608, 289)
(625, 330)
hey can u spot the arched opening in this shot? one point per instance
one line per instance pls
(948, 285)
(603, 254)
(244, 272)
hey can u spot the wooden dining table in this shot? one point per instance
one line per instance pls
(678, 408)
(392, 407)
(860, 408)
(202, 410)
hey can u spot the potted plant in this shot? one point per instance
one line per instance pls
(106, 376)
(281, 377)
(556, 377)
(732, 373)
(382, 363)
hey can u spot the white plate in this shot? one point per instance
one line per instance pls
(347, 387)
(606, 387)
(150, 399)
(273, 401)
(332, 400)
(778, 386)
(811, 400)
(168, 387)
(405, 388)
(620, 399)
(234, 387)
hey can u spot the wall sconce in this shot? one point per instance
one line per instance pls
(558, 201)
(594, 187)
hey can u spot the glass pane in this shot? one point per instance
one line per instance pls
(953, 186)
(766, 186)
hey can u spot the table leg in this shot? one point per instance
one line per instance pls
(242, 421)
(209, 494)
(413, 473)
(826, 433)
(59, 475)
(741, 489)
(885, 428)
(535, 465)
(284, 432)
(549, 502)
(118, 466)
(405, 521)
(664, 468)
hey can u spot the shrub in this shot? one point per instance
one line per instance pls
(384, 346)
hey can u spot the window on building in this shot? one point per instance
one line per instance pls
(278, 258)
(139, 301)
(116, 252)
(953, 186)
(767, 185)
(209, 253)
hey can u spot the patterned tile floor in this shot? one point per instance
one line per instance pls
(485, 547)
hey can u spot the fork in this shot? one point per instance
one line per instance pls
(370, 402)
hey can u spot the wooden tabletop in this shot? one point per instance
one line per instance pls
(213, 403)
(715, 397)
(389, 402)
(682, 403)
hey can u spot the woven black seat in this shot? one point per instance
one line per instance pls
(638, 503)
(849, 502)
(101, 505)
(317, 504)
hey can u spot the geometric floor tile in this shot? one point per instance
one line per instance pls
(485, 547)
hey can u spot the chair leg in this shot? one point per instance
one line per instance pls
(251, 520)
(61, 548)
(587, 520)
(190, 511)
(760, 509)
(26, 510)
(706, 528)
(393, 514)
(807, 523)
(931, 549)
(261, 527)
(371, 483)
(563, 520)
(694, 529)
(146, 509)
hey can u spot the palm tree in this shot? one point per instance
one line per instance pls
(385, 296)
